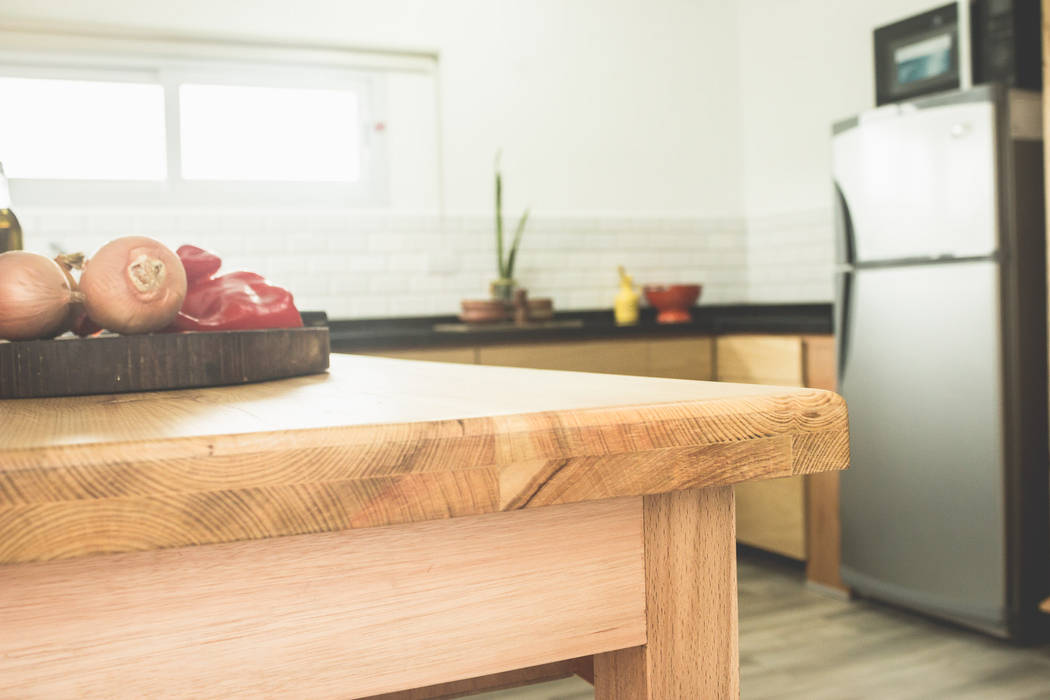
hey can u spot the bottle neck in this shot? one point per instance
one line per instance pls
(5, 192)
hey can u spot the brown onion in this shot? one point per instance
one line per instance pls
(133, 285)
(69, 262)
(35, 296)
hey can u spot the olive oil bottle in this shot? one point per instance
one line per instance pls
(10, 229)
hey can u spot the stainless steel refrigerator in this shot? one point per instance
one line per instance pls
(941, 323)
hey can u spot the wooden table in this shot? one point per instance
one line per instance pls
(388, 526)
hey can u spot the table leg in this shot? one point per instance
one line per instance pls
(691, 608)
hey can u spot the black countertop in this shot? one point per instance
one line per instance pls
(420, 332)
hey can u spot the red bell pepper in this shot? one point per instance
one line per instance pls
(234, 301)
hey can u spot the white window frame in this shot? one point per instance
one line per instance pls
(171, 62)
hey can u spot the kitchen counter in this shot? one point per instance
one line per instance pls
(386, 526)
(420, 332)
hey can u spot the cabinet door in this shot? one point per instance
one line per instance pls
(681, 358)
(464, 356)
(819, 362)
(823, 526)
(604, 356)
(759, 359)
(770, 514)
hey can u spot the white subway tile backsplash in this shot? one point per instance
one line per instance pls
(354, 307)
(331, 264)
(386, 241)
(790, 257)
(480, 261)
(410, 305)
(235, 222)
(374, 264)
(350, 241)
(347, 284)
(305, 242)
(62, 224)
(404, 261)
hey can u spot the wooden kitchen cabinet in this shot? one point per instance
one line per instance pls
(773, 515)
(773, 518)
(760, 359)
(676, 358)
(823, 524)
(798, 516)
(682, 358)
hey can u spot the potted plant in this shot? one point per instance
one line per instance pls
(502, 288)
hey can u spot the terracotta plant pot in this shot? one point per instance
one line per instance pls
(673, 301)
(482, 311)
(541, 309)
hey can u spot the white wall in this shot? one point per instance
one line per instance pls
(685, 138)
(804, 64)
(599, 105)
(618, 121)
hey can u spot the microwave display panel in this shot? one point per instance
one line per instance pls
(925, 59)
(917, 55)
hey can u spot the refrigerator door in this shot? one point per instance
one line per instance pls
(919, 183)
(922, 502)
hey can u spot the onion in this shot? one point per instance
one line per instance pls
(35, 296)
(133, 285)
(68, 263)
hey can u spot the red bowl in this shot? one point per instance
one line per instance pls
(672, 301)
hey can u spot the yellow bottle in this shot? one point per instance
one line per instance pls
(10, 229)
(625, 308)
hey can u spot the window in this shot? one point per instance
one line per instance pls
(130, 122)
(82, 130)
(261, 133)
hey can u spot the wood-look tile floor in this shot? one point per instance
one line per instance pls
(799, 643)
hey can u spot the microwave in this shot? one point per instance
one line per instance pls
(920, 55)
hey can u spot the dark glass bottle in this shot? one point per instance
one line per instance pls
(10, 229)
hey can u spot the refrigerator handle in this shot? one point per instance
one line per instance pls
(842, 321)
(845, 243)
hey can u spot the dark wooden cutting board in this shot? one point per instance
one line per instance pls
(111, 364)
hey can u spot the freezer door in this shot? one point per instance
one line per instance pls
(922, 502)
(919, 183)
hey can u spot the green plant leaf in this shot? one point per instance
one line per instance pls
(517, 242)
(499, 219)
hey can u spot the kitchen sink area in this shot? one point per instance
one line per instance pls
(426, 332)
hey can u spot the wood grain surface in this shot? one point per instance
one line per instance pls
(623, 356)
(691, 605)
(334, 615)
(677, 358)
(112, 364)
(772, 515)
(823, 524)
(759, 359)
(682, 358)
(463, 355)
(379, 442)
(818, 364)
(495, 681)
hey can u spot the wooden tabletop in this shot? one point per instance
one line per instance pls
(376, 442)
